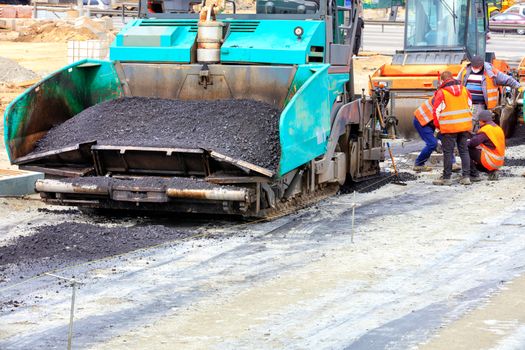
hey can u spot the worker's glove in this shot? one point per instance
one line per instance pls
(436, 132)
(521, 89)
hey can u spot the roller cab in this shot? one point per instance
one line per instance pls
(439, 36)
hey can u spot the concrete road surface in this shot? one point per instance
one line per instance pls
(430, 268)
(509, 47)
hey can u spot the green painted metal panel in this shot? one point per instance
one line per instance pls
(304, 126)
(336, 85)
(273, 42)
(55, 99)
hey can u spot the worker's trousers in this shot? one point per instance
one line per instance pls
(449, 141)
(427, 135)
(475, 162)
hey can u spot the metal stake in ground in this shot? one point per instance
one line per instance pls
(353, 218)
(72, 312)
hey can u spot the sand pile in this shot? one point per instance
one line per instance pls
(55, 31)
(12, 73)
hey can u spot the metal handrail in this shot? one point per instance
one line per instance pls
(384, 23)
(504, 27)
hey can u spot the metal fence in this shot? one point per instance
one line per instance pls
(125, 10)
(504, 28)
(381, 4)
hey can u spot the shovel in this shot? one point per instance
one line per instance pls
(396, 180)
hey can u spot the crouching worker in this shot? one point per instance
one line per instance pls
(486, 148)
(423, 123)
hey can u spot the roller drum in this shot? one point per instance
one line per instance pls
(403, 106)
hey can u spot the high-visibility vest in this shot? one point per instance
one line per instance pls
(424, 113)
(456, 116)
(493, 159)
(491, 91)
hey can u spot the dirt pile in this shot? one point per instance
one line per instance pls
(243, 129)
(364, 66)
(54, 31)
(12, 73)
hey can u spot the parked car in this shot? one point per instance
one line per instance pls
(508, 18)
(15, 2)
(518, 9)
(99, 4)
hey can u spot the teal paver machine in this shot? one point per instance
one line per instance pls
(295, 55)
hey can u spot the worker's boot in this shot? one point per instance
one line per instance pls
(442, 182)
(456, 168)
(475, 178)
(465, 180)
(494, 175)
(474, 175)
(421, 168)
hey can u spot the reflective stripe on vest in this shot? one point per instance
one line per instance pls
(490, 161)
(493, 159)
(492, 92)
(424, 113)
(455, 117)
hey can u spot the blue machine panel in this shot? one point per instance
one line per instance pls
(274, 42)
(248, 41)
(304, 125)
(155, 41)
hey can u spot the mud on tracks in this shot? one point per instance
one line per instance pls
(146, 181)
(243, 129)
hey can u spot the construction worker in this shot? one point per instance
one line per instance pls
(424, 125)
(483, 81)
(453, 118)
(486, 148)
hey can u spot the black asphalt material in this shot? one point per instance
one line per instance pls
(145, 182)
(518, 138)
(69, 242)
(243, 129)
(514, 162)
(375, 183)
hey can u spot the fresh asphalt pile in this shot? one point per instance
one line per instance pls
(52, 246)
(242, 129)
(517, 139)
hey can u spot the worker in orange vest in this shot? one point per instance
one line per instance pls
(424, 125)
(483, 81)
(486, 148)
(453, 118)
